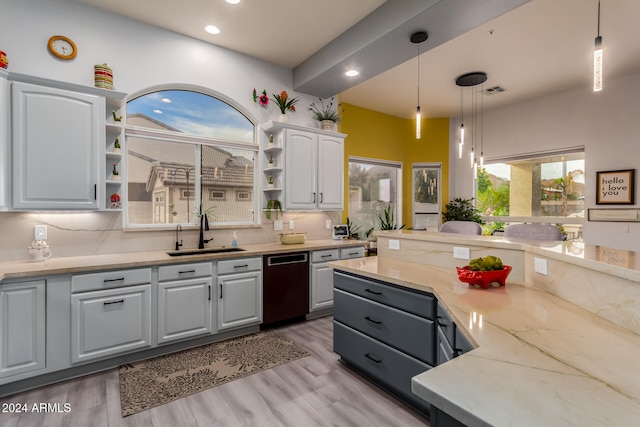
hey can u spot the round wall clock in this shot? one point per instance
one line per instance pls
(62, 47)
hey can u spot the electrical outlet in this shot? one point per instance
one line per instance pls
(541, 266)
(291, 224)
(40, 232)
(394, 244)
(624, 228)
(277, 225)
(461, 253)
(327, 224)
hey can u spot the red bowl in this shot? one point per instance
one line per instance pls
(483, 278)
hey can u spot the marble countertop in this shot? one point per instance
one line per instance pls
(78, 264)
(617, 262)
(539, 360)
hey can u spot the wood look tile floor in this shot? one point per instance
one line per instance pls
(313, 391)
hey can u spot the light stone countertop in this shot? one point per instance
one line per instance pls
(539, 361)
(78, 264)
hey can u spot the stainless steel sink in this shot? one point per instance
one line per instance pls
(219, 250)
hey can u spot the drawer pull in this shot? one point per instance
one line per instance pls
(372, 358)
(114, 280)
(377, 322)
(326, 256)
(373, 292)
(442, 323)
(241, 266)
(120, 301)
(186, 272)
(354, 253)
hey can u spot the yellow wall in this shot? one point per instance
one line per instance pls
(381, 136)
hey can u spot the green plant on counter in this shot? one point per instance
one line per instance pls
(387, 221)
(487, 263)
(273, 205)
(354, 230)
(461, 210)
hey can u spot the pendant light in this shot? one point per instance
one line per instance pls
(471, 80)
(461, 143)
(597, 59)
(418, 38)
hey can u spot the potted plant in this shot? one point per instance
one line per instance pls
(354, 230)
(461, 210)
(326, 114)
(285, 104)
(115, 175)
(387, 221)
(273, 205)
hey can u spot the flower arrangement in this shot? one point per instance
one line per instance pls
(325, 111)
(284, 102)
(261, 99)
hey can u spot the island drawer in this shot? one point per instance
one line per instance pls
(392, 367)
(184, 271)
(408, 333)
(110, 279)
(417, 303)
(446, 325)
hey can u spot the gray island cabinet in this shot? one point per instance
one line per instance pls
(385, 332)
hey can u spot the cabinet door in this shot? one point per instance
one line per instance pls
(321, 286)
(300, 170)
(56, 135)
(5, 141)
(104, 323)
(22, 328)
(239, 300)
(330, 173)
(184, 309)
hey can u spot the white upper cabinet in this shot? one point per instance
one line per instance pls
(314, 170)
(55, 147)
(5, 140)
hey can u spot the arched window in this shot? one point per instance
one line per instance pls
(189, 152)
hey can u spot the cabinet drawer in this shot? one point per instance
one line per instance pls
(417, 303)
(393, 368)
(110, 279)
(110, 322)
(408, 333)
(445, 351)
(324, 256)
(239, 265)
(348, 253)
(184, 271)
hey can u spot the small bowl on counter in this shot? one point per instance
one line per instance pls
(483, 278)
(293, 238)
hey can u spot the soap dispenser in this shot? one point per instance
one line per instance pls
(234, 242)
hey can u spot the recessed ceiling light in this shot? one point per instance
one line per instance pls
(352, 73)
(166, 100)
(157, 111)
(212, 29)
(233, 1)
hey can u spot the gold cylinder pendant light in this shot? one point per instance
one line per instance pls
(418, 38)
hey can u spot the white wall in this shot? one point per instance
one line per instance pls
(605, 123)
(141, 56)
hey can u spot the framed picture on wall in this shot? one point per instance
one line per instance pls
(615, 187)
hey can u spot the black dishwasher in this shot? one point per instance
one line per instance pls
(285, 287)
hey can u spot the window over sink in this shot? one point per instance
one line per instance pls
(188, 152)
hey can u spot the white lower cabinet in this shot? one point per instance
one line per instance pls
(184, 304)
(321, 295)
(109, 322)
(239, 293)
(22, 328)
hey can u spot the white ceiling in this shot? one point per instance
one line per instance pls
(541, 47)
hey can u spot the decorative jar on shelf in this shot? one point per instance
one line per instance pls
(328, 125)
(39, 250)
(115, 175)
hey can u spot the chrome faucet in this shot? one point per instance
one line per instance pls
(204, 226)
(178, 240)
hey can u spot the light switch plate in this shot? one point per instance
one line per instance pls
(541, 266)
(277, 225)
(394, 244)
(327, 224)
(291, 224)
(461, 253)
